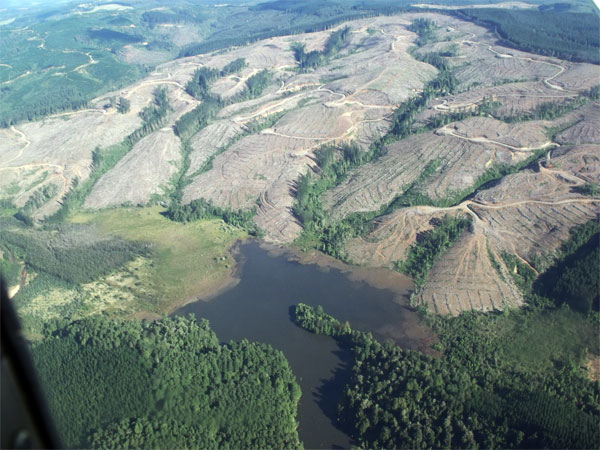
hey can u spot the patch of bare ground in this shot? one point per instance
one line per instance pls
(486, 65)
(586, 130)
(181, 34)
(578, 76)
(134, 54)
(545, 185)
(143, 173)
(206, 142)
(528, 214)
(373, 185)
(257, 167)
(231, 85)
(521, 136)
(580, 161)
(593, 367)
(531, 213)
(315, 122)
(389, 242)
(465, 279)
(12, 144)
(513, 98)
(61, 148)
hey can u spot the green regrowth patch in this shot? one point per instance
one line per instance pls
(188, 260)
(495, 264)
(10, 271)
(425, 29)
(315, 58)
(71, 253)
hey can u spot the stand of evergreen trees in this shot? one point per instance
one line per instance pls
(165, 384)
(566, 35)
(203, 209)
(469, 398)
(573, 278)
(315, 58)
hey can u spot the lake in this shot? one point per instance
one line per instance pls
(259, 308)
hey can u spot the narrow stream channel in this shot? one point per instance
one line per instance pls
(259, 308)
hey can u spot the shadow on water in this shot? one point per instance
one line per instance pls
(260, 308)
(330, 390)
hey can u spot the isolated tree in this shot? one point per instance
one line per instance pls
(124, 105)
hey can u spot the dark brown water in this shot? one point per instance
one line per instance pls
(259, 307)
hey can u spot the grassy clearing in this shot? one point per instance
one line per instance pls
(188, 259)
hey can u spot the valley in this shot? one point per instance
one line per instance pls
(421, 175)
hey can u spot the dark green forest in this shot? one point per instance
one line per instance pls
(564, 34)
(165, 384)
(203, 209)
(573, 279)
(473, 395)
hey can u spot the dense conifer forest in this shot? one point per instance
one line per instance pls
(470, 396)
(165, 384)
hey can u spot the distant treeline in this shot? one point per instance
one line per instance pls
(212, 45)
(105, 34)
(69, 99)
(566, 35)
(153, 18)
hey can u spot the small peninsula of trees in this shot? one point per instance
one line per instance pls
(472, 397)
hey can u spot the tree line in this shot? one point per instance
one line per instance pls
(205, 209)
(567, 35)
